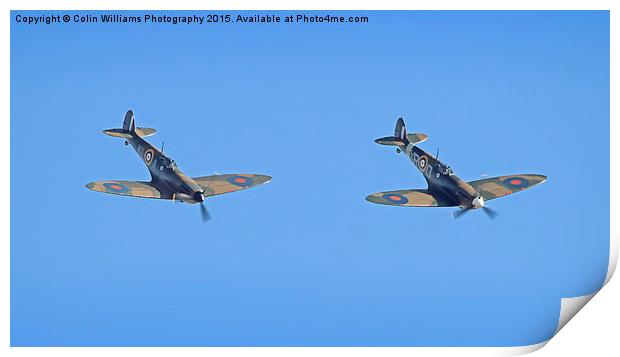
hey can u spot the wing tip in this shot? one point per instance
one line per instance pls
(539, 178)
(262, 179)
(373, 198)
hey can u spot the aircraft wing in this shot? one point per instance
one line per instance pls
(495, 187)
(125, 188)
(219, 184)
(409, 198)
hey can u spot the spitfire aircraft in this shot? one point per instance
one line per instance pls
(167, 180)
(445, 189)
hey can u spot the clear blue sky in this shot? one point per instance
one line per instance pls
(305, 260)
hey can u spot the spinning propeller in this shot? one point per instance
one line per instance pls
(477, 202)
(196, 197)
(199, 197)
(205, 214)
(489, 212)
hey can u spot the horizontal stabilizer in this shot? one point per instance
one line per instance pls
(144, 132)
(389, 140)
(119, 133)
(122, 133)
(416, 138)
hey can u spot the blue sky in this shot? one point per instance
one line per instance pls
(305, 260)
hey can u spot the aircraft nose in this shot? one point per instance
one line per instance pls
(478, 202)
(198, 196)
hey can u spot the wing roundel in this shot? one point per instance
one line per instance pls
(409, 198)
(495, 187)
(126, 188)
(219, 184)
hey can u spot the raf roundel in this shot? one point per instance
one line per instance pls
(148, 156)
(422, 162)
(115, 187)
(395, 198)
(516, 182)
(241, 181)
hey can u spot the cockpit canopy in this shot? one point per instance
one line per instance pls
(168, 163)
(445, 169)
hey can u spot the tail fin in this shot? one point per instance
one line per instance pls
(129, 129)
(401, 131)
(401, 138)
(129, 123)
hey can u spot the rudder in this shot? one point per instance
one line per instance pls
(129, 123)
(400, 131)
(129, 129)
(401, 138)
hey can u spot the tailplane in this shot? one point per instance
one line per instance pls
(129, 129)
(401, 138)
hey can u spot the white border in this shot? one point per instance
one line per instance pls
(569, 306)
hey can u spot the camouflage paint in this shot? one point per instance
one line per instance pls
(445, 189)
(167, 179)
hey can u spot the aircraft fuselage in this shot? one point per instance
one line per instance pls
(165, 174)
(441, 180)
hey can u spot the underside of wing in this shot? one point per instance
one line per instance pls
(410, 198)
(126, 188)
(219, 184)
(495, 187)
